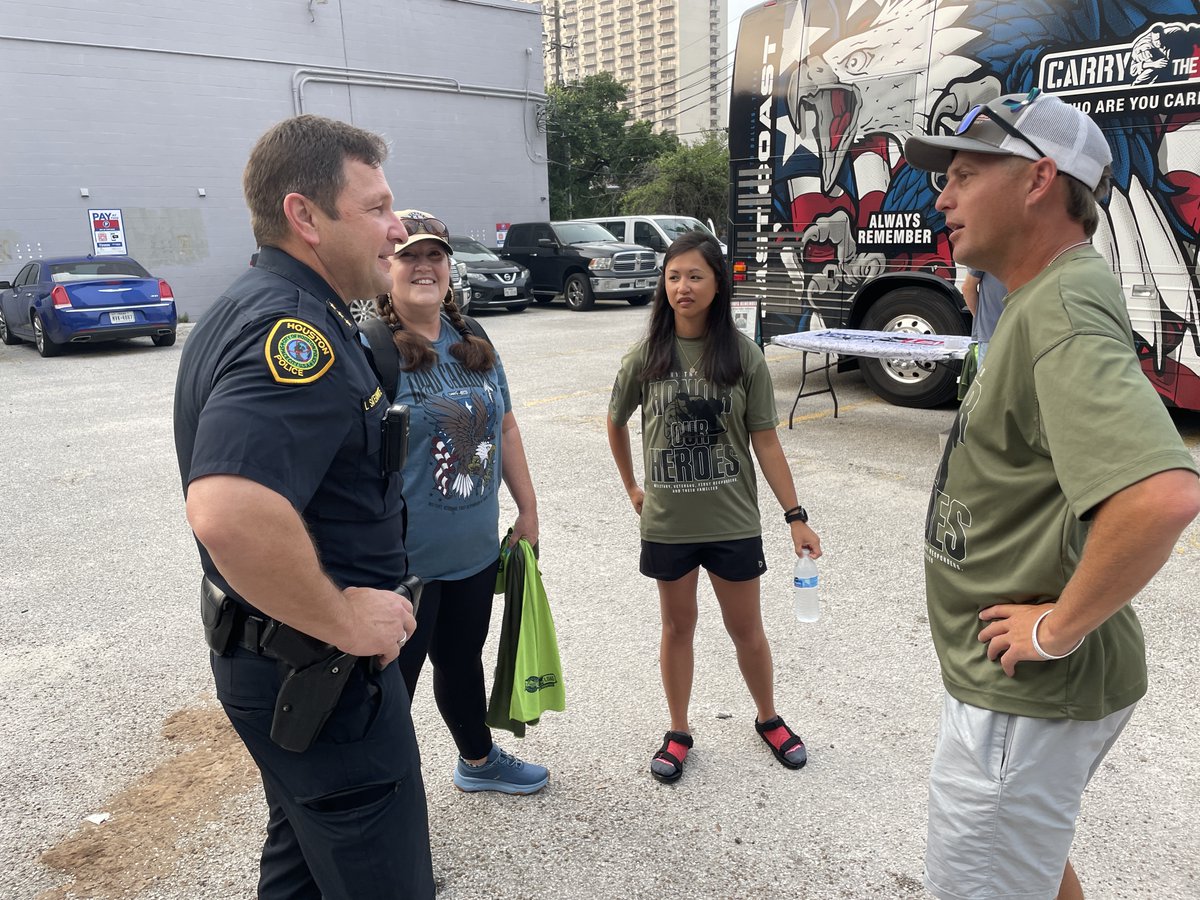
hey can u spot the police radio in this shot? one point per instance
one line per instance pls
(395, 438)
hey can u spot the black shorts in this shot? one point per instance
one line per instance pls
(740, 560)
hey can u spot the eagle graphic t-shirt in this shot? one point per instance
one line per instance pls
(452, 474)
(699, 475)
(1059, 418)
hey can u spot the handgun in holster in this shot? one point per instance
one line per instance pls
(410, 586)
(317, 672)
(310, 692)
(306, 698)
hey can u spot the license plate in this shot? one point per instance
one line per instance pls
(642, 283)
(510, 292)
(123, 318)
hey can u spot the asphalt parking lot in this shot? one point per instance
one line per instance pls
(105, 703)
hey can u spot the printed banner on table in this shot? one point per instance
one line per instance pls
(880, 344)
(108, 232)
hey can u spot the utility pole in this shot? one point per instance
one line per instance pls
(558, 47)
(560, 82)
(556, 42)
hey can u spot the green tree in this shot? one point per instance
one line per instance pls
(688, 180)
(594, 150)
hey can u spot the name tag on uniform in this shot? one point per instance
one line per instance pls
(371, 402)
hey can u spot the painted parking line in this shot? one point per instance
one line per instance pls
(542, 401)
(843, 408)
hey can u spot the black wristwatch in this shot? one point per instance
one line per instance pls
(796, 514)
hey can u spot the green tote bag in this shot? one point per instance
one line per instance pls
(528, 679)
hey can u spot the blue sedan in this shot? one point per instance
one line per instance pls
(81, 299)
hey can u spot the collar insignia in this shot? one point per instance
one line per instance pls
(336, 310)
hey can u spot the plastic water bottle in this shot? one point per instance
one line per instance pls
(804, 584)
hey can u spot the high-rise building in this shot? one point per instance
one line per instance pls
(670, 54)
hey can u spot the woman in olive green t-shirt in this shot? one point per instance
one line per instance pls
(706, 400)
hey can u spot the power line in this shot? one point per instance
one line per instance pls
(705, 88)
(708, 85)
(707, 78)
(699, 89)
(699, 69)
(662, 116)
(676, 115)
(606, 172)
(708, 35)
(646, 103)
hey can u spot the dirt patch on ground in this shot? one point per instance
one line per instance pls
(141, 842)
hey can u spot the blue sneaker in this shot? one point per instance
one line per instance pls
(502, 772)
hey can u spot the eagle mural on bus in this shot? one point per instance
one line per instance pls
(857, 77)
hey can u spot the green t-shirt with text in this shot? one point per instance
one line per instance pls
(699, 475)
(1059, 419)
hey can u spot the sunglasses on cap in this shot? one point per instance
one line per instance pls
(1007, 127)
(939, 178)
(433, 227)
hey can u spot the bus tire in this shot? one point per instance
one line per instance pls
(905, 383)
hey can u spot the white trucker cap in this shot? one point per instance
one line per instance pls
(1032, 126)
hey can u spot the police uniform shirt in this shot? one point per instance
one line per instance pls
(275, 386)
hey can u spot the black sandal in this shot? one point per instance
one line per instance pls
(669, 767)
(791, 751)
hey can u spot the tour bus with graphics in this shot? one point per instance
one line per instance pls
(830, 227)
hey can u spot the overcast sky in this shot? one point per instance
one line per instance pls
(736, 8)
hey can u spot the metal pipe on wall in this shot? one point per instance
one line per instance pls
(371, 78)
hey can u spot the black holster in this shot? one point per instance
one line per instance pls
(317, 672)
(306, 698)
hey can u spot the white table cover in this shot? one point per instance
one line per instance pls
(879, 344)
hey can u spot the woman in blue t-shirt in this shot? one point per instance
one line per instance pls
(463, 441)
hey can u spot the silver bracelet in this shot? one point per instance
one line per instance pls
(1038, 647)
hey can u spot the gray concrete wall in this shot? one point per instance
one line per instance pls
(144, 104)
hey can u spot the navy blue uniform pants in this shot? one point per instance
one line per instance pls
(348, 819)
(452, 625)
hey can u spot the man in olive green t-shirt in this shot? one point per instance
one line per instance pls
(1062, 490)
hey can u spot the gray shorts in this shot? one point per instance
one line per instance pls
(1004, 791)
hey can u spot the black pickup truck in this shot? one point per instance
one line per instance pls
(581, 261)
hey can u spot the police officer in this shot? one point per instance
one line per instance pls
(278, 416)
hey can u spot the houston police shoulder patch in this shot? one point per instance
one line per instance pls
(297, 353)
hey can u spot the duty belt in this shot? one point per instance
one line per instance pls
(317, 672)
(228, 622)
(273, 639)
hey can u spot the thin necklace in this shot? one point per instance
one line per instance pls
(691, 363)
(1054, 258)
